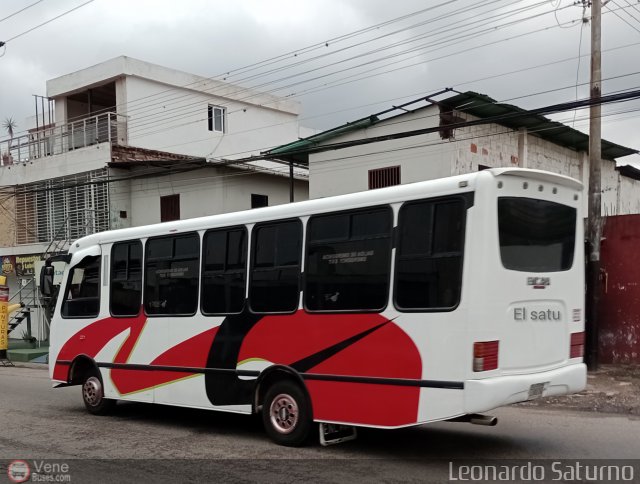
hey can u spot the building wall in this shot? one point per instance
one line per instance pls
(7, 220)
(487, 145)
(79, 160)
(619, 314)
(428, 156)
(120, 213)
(346, 170)
(175, 119)
(207, 191)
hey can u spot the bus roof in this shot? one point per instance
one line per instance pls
(432, 188)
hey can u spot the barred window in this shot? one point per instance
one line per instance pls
(384, 177)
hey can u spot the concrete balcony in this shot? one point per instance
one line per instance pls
(59, 139)
(61, 150)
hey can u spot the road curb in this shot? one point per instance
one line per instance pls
(35, 366)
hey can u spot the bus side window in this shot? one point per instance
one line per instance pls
(82, 294)
(224, 271)
(172, 266)
(348, 261)
(275, 268)
(126, 278)
(429, 255)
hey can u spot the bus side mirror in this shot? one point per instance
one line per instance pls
(46, 281)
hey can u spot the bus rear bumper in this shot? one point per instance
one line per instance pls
(490, 393)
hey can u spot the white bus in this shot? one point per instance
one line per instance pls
(389, 308)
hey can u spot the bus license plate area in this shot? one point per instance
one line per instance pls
(536, 390)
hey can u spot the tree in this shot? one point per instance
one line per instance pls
(10, 125)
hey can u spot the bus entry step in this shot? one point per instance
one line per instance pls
(331, 434)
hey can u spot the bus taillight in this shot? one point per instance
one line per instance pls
(576, 350)
(485, 355)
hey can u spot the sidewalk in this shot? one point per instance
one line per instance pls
(611, 389)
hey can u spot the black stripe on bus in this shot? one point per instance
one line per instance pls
(405, 382)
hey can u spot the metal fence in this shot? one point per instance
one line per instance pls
(55, 140)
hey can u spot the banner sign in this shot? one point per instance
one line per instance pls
(25, 265)
(8, 264)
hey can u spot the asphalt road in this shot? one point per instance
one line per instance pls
(153, 443)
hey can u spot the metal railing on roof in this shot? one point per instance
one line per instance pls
(58, 139)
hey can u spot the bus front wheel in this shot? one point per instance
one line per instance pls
(93, 394)
(286, 414)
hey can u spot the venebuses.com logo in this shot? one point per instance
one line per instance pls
(18, 471)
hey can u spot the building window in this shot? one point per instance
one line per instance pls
(348, 261)
(384, 177)
(429, 256)
(171, 275)
(224, 271)
(258, 201)
(170, 208)
(126, 278)
(216, 118)
(275, 272)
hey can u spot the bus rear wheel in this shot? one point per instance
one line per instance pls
(93, 394)
(286, 414)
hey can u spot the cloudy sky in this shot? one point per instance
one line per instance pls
(342, 59)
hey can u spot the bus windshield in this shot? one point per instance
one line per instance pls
(536, 235)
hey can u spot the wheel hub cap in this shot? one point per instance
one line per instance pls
(284, 413)
(92, 391)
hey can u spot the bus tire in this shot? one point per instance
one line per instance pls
(93, 394)
(286, 414)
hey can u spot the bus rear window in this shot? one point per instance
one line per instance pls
(536, 235)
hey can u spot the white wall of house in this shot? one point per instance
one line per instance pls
(80, 160)
(428, 156)
(346, 170)
(177, 121)
(203, 192)
(166, 110)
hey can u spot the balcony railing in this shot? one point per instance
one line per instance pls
(55, 140)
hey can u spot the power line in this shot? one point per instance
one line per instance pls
(294, 53)
(403, 97)
(299, 51)
(142, 131)
(155, 121)
(622, 18)
(252, 93)
(554, 108)
(47, 21)
(154, 116)
(21, 10)
(634, 8)
(259, 170)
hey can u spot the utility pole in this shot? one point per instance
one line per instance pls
(594, 220)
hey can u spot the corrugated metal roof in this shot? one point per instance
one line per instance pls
(295, 150)
(478, 105)
(483, 106)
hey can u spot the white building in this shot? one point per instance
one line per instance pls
(133, 143)
(516, 138)
(127, 143)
